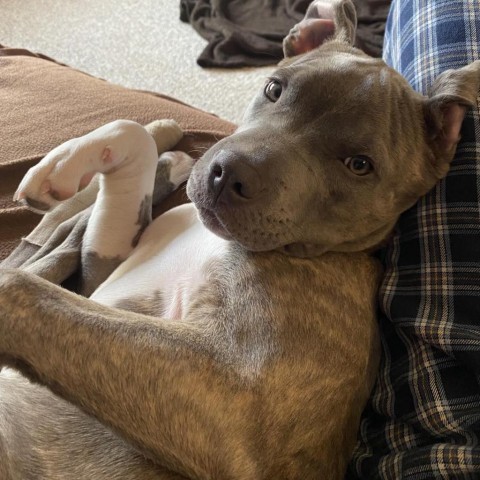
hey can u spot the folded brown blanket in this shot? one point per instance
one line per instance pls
(250, 32)
(44, 103)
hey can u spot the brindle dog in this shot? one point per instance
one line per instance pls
(252, 345)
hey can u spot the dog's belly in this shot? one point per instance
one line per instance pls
(166, 268)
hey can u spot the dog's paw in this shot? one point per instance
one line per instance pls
(69, 167)
(176, 167)
(56, 177)
(166, 133)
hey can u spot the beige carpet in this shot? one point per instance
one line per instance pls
(135, 43)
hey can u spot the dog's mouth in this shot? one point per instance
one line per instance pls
(212, 222)
(296, 249)
(253, 234)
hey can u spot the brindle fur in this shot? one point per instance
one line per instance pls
(268, 372)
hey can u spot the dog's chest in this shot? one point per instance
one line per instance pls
(168, 267)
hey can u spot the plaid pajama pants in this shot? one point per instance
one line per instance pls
(423, 419)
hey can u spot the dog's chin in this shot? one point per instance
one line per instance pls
(211, 221)
(235, 233)
(295, 249)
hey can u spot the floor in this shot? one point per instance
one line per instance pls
(135, 43)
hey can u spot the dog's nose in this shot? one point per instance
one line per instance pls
(232, 179)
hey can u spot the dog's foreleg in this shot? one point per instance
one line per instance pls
(123, 208)
(125, 155)
(156, 383)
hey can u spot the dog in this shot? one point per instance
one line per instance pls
(236, 336)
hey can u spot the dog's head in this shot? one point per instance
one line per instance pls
(333, 148)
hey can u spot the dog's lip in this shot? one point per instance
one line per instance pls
(212, 222)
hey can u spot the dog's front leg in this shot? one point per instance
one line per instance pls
(155, 383)
(124, 154)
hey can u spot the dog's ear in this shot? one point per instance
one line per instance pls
(324, 20)
(451, 94)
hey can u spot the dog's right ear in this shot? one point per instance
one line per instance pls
(324, 20)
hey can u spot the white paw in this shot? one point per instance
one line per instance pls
(166, 133)
(179, 166)
(61, 174)
(71, 166)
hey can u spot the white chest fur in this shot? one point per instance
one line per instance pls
(169, 261)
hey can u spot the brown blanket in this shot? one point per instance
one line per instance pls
(44, 103)
(250, 32)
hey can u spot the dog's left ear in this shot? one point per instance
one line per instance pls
(324, 20)
(451, 94)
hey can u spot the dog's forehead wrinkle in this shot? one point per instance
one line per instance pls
(357, 92)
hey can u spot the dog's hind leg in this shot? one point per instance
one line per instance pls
(45, 437)
(126, 156)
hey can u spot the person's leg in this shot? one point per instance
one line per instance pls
(423, 420)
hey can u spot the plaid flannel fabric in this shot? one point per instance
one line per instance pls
(423, 419)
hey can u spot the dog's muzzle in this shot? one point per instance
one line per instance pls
(237, 198)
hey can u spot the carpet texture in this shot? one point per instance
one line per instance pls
(137, 44)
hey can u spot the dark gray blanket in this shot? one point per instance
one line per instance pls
(250, 32)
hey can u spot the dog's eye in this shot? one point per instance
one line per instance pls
(359, 165)
(273, 90)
